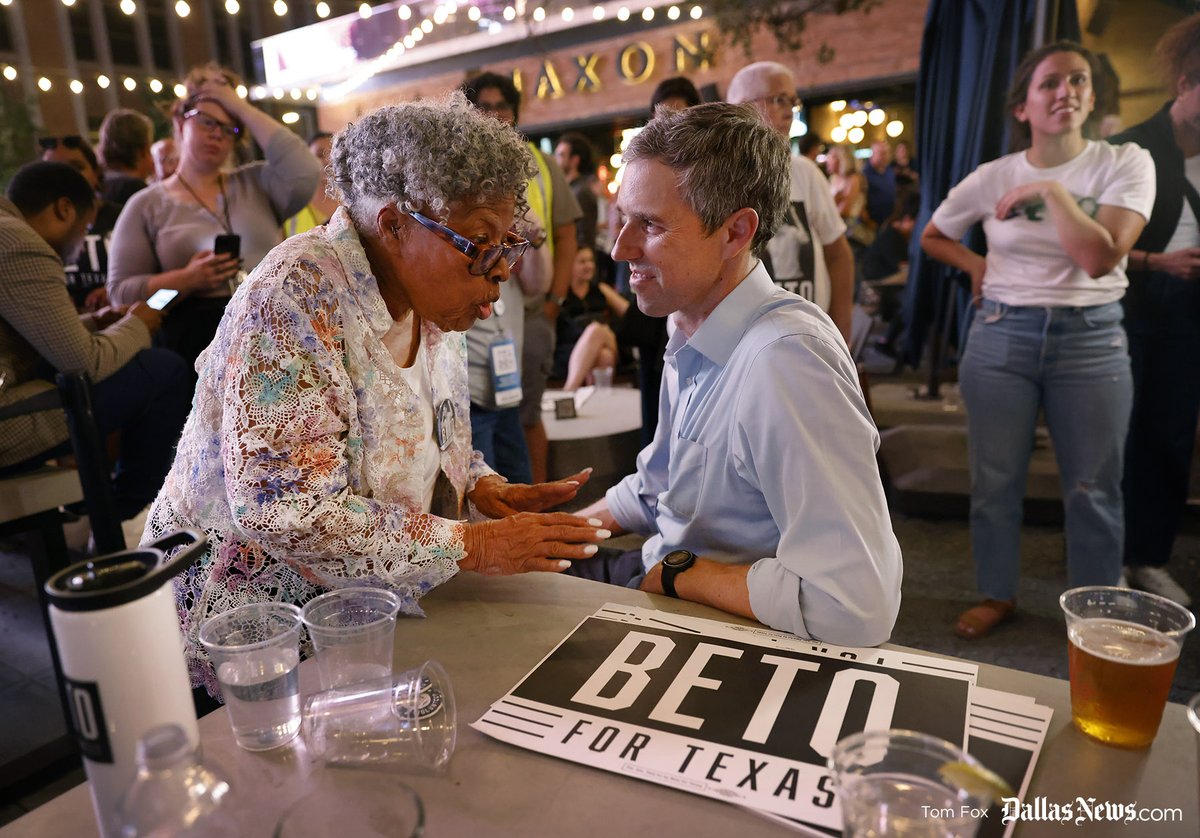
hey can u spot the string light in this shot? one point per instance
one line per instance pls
(838, 134)
(76, 86)
(673, 13)
(68, 3)
(597, 13)
(894, 128)
(156, 86)
(129, 84)
(128, 7)
(5, 2)
(311, 94)
(280, 8)
(855, 135)
(473, 13)
(232, 6)
(440, 15)
(364, 11)
(44, 84)
(405, 12)
(296, 94)
(427, 26)
(838, 105)
(696, 12)
(182, 8)
(510, 13)
(622, 14)
(102, 81)
(10, 72)
(648, 13)
(322, 10)
(241, 91)
(568, 13)
(539, 14)
(290, 118)
(259, 92)
(876, 116)
(179, 90)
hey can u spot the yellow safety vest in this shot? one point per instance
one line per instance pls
(540, 195)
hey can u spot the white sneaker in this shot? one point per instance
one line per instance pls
(1156, 580)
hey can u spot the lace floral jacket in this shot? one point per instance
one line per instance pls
(297, 458)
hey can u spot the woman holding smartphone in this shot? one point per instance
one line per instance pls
(1060, 218)
(193, 231)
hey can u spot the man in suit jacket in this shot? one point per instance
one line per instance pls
(140, 392)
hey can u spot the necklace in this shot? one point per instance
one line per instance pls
(227, 225)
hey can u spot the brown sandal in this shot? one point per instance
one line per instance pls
(979, 621)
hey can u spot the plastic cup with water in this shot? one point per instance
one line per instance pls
(901, 782)
(407, 722)
(255, 649)
(353, 631)
(602, 377)
(355, 804)
(1123, 649)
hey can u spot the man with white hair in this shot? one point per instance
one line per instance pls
(823, 274)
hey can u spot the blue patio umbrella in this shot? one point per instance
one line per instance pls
(969, 51)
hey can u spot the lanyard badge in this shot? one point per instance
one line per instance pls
(506, 371)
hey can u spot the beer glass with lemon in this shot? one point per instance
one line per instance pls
(1124, 646)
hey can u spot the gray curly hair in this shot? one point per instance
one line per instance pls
(425, 156)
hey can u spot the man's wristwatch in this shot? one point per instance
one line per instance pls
(673, 564)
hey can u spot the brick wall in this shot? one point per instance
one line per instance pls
(881, 44)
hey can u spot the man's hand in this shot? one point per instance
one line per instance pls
(96, 299)
(496, 498)
(105, 317)
(1182, 263)
(143, 312)
(529, 541)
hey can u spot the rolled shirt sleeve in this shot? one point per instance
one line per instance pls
(810, 448)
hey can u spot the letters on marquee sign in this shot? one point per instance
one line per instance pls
(636, 64)
(744, 714)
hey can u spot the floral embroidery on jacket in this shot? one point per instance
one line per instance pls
(296, 460)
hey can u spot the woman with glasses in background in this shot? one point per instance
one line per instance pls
(167, 234)
(330, 440)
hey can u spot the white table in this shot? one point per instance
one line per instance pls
(489, 632)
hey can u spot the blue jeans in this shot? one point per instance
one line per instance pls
(498, 435)
(1072, 363)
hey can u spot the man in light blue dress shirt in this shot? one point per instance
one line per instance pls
(760, 488)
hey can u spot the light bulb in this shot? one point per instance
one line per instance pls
(103, 81)
(838, 105)
(568, 13)
(182, 8)
(696, 12)
(44, 84)
(648, 13)
(322, 10)
(179, 90)
(10, 73)
(232, 6)
(855, 135)
(876, 116)
(364, 10)
(128, 7)
(597, 13)
(622, 13)
(539, 14)
(290, 118)
(129, 84)
(241, 91)
(894, 128)
(280, 8)
(673, 13)
(76, 86)
(156, 86)
(473, 14)
(404, 12)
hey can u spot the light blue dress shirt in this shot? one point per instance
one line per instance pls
(765, 453)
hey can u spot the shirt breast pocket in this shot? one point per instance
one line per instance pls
(686, 478)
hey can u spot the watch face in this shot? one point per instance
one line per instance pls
(679, 558)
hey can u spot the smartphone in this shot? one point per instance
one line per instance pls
(162, 298)
(228, 244)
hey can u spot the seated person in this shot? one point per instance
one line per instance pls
(886, 262)
(141, 393)
(585, 339)
(760, 493)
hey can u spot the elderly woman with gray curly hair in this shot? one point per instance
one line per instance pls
(330, 445)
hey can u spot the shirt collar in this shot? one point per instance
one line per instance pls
(341, 233)
(720, 332)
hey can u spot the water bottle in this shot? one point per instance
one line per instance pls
(121, 658)
(174, 794)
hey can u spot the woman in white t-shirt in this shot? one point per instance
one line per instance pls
(1059, 219)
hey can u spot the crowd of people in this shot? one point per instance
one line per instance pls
(331, 359)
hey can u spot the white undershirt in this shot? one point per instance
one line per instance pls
(1187, 231)
(398, 341)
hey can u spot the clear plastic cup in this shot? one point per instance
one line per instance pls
(1123, 649)
(407, 722)
(361, 804)
(900, 782)
(255, 649)
(602, 377)
(353, 632)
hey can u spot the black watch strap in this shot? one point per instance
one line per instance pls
(673, 564)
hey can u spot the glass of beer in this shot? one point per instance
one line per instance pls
(1124, 646)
